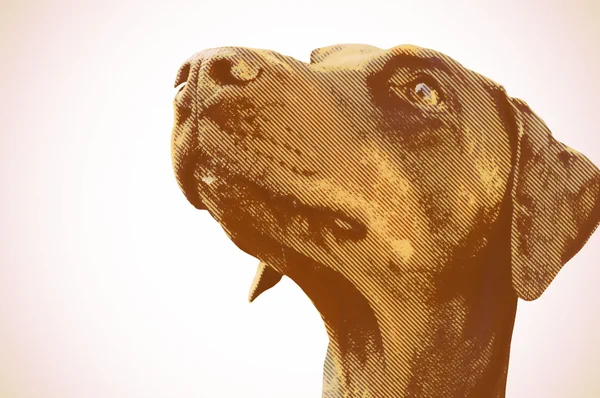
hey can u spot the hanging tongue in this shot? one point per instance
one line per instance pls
(266, 277)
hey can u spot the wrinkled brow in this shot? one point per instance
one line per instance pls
(390, 62)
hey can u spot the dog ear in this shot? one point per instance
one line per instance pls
(555, 203)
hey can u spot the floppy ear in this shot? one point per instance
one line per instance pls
(555, 203)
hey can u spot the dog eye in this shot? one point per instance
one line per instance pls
(422, 91)
(426, 94)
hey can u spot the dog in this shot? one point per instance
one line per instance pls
(409, 197)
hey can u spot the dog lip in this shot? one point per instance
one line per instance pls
(283, 206)
(321, 219)
(185, 173)
(193, 197)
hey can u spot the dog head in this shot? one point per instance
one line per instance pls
(368, 176)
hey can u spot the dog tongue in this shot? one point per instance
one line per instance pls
(266, 277)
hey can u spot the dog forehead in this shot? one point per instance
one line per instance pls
(371, 58)
(344, 54)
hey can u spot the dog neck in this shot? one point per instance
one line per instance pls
(454, 345)
(453, 350)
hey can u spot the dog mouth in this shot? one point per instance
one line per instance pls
(289, 217)
(246, 207)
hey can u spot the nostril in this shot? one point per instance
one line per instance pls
(225, 71)
(180, 88)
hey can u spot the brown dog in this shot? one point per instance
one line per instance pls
(409, 197)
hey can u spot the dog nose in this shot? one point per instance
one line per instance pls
(206, 72)
(220, 67)
(233, 70)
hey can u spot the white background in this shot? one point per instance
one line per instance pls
(113, 286)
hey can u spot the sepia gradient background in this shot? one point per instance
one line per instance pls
(113, 286)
